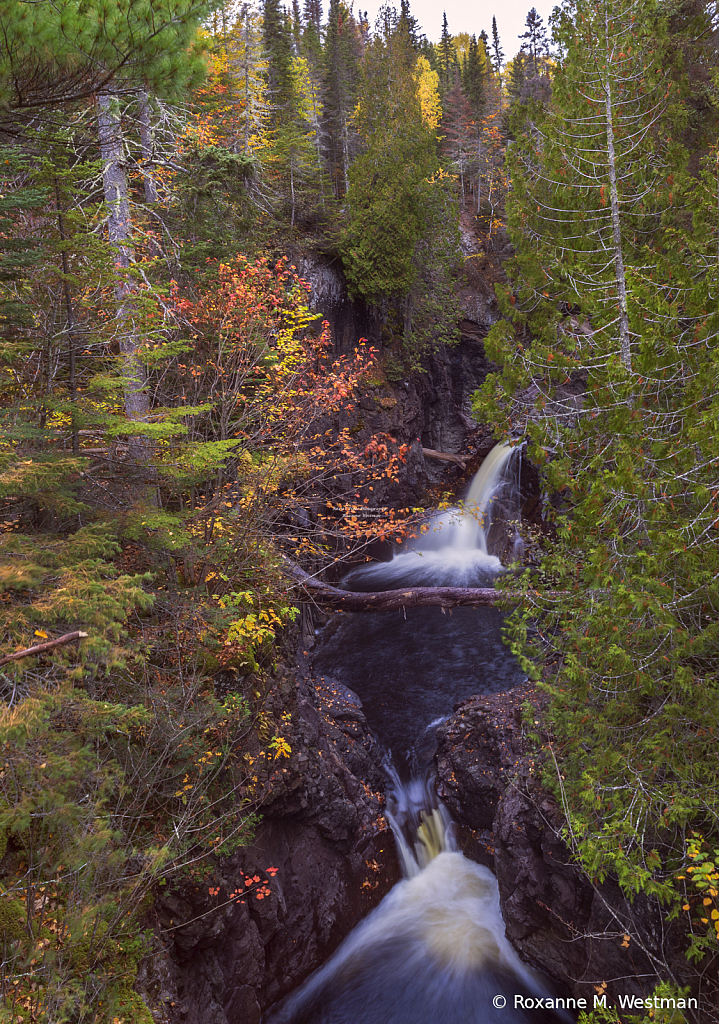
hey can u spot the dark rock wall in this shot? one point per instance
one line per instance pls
(323, 830)
(434, 406)
(583, 934)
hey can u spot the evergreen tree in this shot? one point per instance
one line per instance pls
(340, 82)
(410, 24)
(276, 37)
(59, 54)
(296, 28)
(312, 34)
(294, 149)
(516, 78)
(475, 73)
(401, 241)
(610, 359)
(536, 45)
(446, 54)
(497, 51)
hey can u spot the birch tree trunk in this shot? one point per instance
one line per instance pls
(119, 227)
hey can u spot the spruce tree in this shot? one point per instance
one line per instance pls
(400, 244)
(446, 53)
(536, 45)
(497, 51)
(474, 75)
(276, 37)
(340, 80)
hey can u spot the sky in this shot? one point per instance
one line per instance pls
(470, 16)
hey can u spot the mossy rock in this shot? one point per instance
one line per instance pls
(12, 917)
(127, 1007)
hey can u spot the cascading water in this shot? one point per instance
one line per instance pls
(452, 549)
(412, 668)
(434, 951)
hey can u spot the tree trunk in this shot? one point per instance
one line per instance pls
(71, 329)
(616, 228)
(391, 600)
(119, 228)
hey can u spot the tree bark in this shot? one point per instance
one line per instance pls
(395, 600)
(619, 272)
(71, 332)
(430, 453)
(119, 227)
(41, 648)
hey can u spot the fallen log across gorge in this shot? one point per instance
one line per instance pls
(395, 600)
(415, 597)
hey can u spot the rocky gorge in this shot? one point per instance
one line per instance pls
(323, 825)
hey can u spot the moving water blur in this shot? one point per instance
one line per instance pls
(411, 668)
(434, 951)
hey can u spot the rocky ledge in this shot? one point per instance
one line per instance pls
(323, 855)
(586, 936)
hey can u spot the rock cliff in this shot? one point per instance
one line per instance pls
(323, 831)
(584, 934)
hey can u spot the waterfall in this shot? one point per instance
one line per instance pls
(454, 547)
(433, 952)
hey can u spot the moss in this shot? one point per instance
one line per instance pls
(12, 917)
(92, 948)
(127, 1007)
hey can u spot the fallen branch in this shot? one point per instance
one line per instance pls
(395, 600)
(414, 597)
(41, 648)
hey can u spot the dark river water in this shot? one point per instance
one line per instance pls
(411, 670)
(434, 951)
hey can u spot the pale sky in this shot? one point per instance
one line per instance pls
(470, 16)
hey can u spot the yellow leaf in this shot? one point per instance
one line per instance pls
(41, 632)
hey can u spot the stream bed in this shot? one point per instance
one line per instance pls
(434, 951)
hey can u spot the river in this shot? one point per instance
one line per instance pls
(434, 951)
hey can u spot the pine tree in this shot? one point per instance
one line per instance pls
(58, 54)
